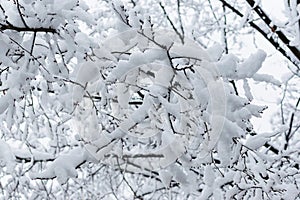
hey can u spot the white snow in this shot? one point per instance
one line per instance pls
(227, 65)
(209, 175)
(255, 142)
(215, 52)
(88, 72)
(251, 65)
(7, 158)
(64, 167)
(164, 76)
(166, 177)
(4, 103)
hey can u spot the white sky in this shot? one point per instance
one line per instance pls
(274, 8)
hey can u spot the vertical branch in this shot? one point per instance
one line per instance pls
(226, 44)
(180, 19)
(33, 42)
(288, 134)
(224, 28)
(212, 10)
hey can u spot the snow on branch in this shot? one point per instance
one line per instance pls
(112, 106)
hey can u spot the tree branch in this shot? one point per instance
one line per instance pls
(273, 28)
(288, 134)
(179, 18)
(264, 34)
(9, 26)
(172, 24)
(20, 13)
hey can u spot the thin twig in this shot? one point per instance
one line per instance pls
(171, 22)
(35, 58)
(33, 42)
(20, 13)
(180, 19)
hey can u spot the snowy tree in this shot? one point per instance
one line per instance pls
(145, 100)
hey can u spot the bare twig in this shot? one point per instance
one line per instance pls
(33, 42)
(288, 134)
(9, 26)
(180, 19)
(34, 58)
(20, 13)
(172, 24)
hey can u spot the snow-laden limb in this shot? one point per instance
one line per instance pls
(257, 141)
(266, 78)
(33, 155)
(250, 66)
(63, 167)
(230, 67)
(135, 60)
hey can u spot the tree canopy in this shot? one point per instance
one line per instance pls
(147, 100)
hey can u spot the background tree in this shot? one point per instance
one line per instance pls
(146, 99)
